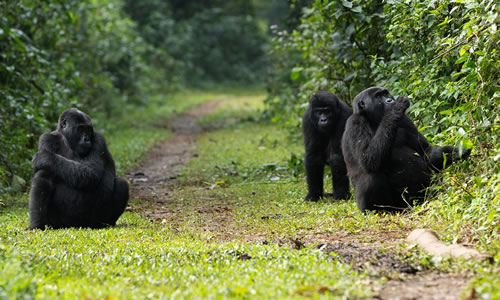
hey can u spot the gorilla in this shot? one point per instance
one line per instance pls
(323, 124)
(75, 183)
(388, 161)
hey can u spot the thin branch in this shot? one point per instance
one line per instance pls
(458, 45)
(41, 90)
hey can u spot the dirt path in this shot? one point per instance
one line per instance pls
(155, 180)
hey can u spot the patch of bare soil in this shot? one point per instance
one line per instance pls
(368, 258)
(430, 285)
(155, 180)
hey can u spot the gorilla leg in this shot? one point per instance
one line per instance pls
(442, 157)
(115, 207)
(315, 168)
(42, 188)
(374, 192)
(120, 199)
(340, 181)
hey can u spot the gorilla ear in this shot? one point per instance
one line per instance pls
(361, 104)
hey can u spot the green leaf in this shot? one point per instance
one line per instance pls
(462, 59)
(357, 9)
(444, 22)
(347, 4)
(296, 72)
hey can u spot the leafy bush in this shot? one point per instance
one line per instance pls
(446, 57)
(54, 55)
(331, 50)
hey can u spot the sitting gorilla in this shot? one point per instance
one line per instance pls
(388, 161)
(323, 124)
(75, 184)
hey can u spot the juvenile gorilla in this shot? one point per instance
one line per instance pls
(75, 183)
(323, 124)
(388, 161)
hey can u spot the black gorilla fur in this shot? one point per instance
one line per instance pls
(388, 161)
(75, 183)
(323, 124)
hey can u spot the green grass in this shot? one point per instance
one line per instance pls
(229, 112)
(142, 260)
(238, 208)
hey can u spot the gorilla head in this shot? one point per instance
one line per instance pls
(372, 103)
(77, 129)
(323, 106)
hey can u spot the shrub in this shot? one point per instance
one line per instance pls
(54, 55)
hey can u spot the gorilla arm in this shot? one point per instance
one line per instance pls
(374, 148)
(315, 146)
(436, 157)
(83, 173)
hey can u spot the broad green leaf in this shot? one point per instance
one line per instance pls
(347, 4)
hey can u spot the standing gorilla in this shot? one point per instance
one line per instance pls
(323, 124)
(75, 184)
(388, 161)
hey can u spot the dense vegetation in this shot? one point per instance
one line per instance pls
(444, 55)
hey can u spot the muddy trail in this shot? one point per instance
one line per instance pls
(156, 179)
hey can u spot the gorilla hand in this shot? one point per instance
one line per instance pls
(402, 104)
(43, 160)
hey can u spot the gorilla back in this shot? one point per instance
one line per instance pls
(388, 161)
(75, 183)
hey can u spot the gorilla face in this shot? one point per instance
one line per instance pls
(323, 111)
(78, 131)
(372, 103)
(322, 117)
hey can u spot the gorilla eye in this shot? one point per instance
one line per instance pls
(63, 125)
(389, 100)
